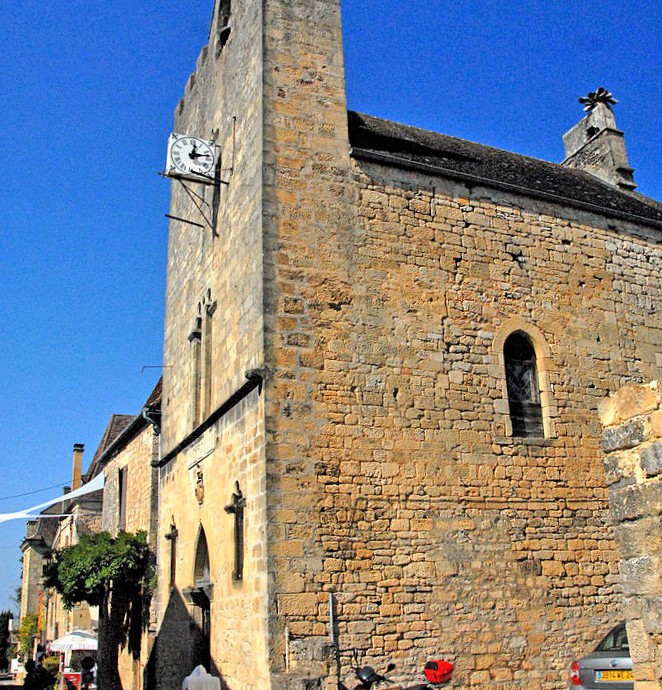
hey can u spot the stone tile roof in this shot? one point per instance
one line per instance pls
(400, 145)
(116, 425)
(155, 396)
(120, 430)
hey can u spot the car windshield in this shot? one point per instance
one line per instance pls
(616, 641)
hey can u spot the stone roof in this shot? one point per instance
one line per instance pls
(121, 429)
(400, 145)
(116, 425)
(154, 399)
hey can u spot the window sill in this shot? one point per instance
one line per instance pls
(523, 441)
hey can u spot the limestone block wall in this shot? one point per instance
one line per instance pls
(632, 442)
(396, 483)
(215, 272)
(307, 228)
(136, 458)
(196, 487)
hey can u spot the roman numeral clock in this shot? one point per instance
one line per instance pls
(194, 160)
(190, 158)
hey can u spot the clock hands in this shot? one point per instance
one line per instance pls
(194, 153)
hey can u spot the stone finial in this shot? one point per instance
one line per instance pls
(601, 95)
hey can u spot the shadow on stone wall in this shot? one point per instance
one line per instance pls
(179, 647)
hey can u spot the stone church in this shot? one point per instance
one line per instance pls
(384, 353)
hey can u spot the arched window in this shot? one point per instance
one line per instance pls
(523, 386)
(222, 25)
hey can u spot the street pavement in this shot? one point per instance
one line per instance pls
(9, 684)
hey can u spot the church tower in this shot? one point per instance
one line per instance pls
(245, 251)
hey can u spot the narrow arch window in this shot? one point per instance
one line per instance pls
(207, 355)
(123, 480)
(195, 338)
(222, 25)
(523, 386)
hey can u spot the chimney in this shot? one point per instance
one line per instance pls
(77, 469)
(595, 145)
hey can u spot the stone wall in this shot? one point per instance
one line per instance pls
(31, 574)
(136, 458)
(196, 487)
(396, 482)
(632, 442)
(308, 211)
(215, 274)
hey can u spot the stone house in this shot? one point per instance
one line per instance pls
(59, 526)
(384, 351)
(39, 535)
(127, 457)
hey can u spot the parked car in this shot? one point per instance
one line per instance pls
(608, 666)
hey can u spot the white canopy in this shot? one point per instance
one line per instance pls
(27, 514)
(78, 639)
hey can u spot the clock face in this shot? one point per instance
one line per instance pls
(190, 155)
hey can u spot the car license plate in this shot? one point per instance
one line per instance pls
(613, 675)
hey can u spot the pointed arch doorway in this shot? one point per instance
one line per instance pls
(200, 595)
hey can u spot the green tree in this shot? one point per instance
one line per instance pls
(112, 573)
(5, 617)
(27, 631)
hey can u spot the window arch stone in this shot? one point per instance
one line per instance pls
(543, 366)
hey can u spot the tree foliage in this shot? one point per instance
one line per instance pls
(114, 574)
(5, 645)
(86, 570)
(27, 631)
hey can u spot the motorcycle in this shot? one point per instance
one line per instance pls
(437, 673)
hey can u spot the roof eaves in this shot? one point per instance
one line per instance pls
(407, 164)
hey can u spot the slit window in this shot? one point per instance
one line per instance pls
(222, 25)
(123, 488)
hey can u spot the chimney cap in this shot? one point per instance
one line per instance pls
(79, 447)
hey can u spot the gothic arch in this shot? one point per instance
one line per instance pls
(201, 569)
(201, 595)
(544, 366)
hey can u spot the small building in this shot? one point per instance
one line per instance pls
(127, 458)
(58, 526)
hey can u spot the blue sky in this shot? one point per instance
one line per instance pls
(88, 91)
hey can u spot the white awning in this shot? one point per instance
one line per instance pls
(29, 513)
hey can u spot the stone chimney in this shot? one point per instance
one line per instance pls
(77, 469)
(596, 146)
